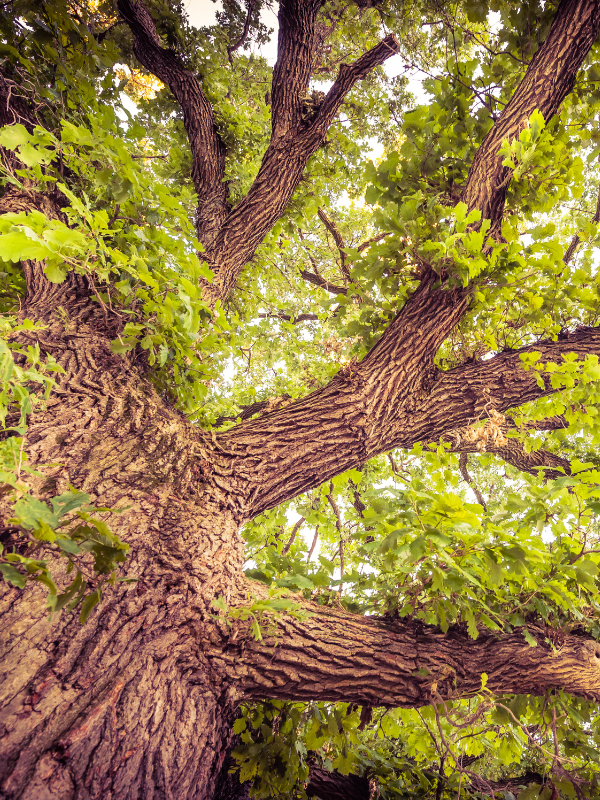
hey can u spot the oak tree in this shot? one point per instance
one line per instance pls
(300, 481)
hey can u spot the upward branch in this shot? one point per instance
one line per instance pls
(293, 142)
(208, 152)
(548, 80)
(231, 237)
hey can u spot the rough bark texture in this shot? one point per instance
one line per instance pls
(229, 240)
(138, 702)
(338, 656)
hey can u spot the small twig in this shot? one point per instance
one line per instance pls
(313, 545)
(290, 542)
(462, 464)
(232, 48)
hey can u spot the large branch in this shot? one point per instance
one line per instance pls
(396, 397)
(364, 408)
(492, 438)
(208, 152)
(293, 142)
(297, 39)
(467, 394)
(336, 656)
(549, 79)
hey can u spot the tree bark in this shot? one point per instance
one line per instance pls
(129, 705)
(337, 656)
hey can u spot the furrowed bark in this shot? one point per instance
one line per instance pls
(465, 395)
(353, 418)
(128, 705)
(336, 656)
(395, 398)
(208, 152)
(548, 80)
(295, 51)
(494, 438)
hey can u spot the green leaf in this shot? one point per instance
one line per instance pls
(239, 726)
(528, 638)
(531, 793)
(14, 136)
(10, 574)
(88, 604)
(63, 599)
(55, 273)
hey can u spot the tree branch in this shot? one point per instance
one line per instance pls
(336, 656)
(295, 50)
(355, 417)
(333, 786)
(339, 241)
(317, 280)
(465, 395)
(548, 80)
(463, 464)
(396, 396)
(289, 318)
(576, 240)
(491, 438)
(293, 142)
(208, 152)
(233, 47)
(293, 535)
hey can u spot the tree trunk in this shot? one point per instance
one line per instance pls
(116, 709)
(137, 703)
(128, 705)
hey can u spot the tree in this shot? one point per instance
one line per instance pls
(374, 346)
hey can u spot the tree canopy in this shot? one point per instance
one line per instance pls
(367, 276)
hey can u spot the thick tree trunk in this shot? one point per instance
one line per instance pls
(128, 705)
(138, 702)
(116, 709)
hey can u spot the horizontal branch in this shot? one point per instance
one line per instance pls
(466, 395)
(208, 152)
(493, 438)
(333, 786)
(336, 656)
(290, 318)
(322, 283)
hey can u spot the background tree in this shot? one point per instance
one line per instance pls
(308, 443)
